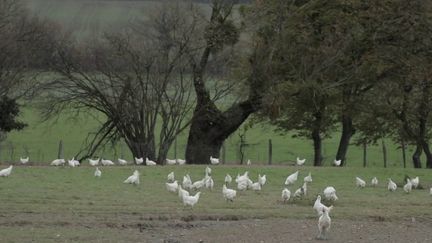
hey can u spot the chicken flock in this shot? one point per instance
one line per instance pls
(186, 187)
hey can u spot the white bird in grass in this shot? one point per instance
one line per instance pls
(24, 160)
(415, 182)
(228, 179)
(308, 178)
(330, 193)
(170, 161)
(324, 223)
(182, 192)
(6, 172)
(300, 161)
(228, 194)
(391, 186)
(191, 200)
(187, 182)
(360, 182)
(122, 161)
(262, 179)
(133, 179)
(298, 193)
(209, 183)
(256, 186)
(172, 187)
(208, 171)
(150, 162)
(106, 162)
(337, 162)
(291, 179)
(408, 186)
(286, 194)
(430, 191)
(198, 184)
(242, 185)
(248, 162)
(77, 163)
(181, 161)
(374, 181)
(318, 206)
(214, 161)
(139, 161)
(93, 162)
(58, 162)
(171, 177)
(97, 172)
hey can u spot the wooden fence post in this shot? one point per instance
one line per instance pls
(364, 154)
(175, 148)
(223, 153)
(403, 153)
(270, 152)
(384, 152)
(60, 150)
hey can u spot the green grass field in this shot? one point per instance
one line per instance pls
(72, 203)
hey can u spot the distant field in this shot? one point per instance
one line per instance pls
(47, 204)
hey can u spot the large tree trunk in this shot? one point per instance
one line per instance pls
(347, 132)
(317, 141)
(426, 149)
(416, 156)
(209, 129)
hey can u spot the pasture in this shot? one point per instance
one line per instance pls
(63, 204)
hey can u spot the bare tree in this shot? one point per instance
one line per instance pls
(139, 80)
(24, 48)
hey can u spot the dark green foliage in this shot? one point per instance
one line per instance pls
(9, 111)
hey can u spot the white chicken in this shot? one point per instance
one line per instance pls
(228, 194)
(256, 186)
(97, 172)
(391, 186)
(71, 163)
(170, 161)
(291, 179)
(58, 162)
(214, 161)
(172, 187)
(133, 179)
(415, 182)
(182, 192)
(249, 162)
(298, 193)
(209, 183)
(181, 161)
(198, 184)
(324, 223)
(6, 172)
(308, 178)
(228, 179)
(187, 182)
(122, 161)
(24, 160)
(430, 191)
(242, 185)
(286, 194)
(150, 162)
(262, 179)
(93, 162)
(337, 162)
(318, 206)
(374, 181)
(360, 182)
(408, 186)
(171, 177)
(208, 171)
(106, 162)
(300, 161)
(330, 193)
(139, 161)
(191, 200)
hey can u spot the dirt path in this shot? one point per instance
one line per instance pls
(279, 230)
